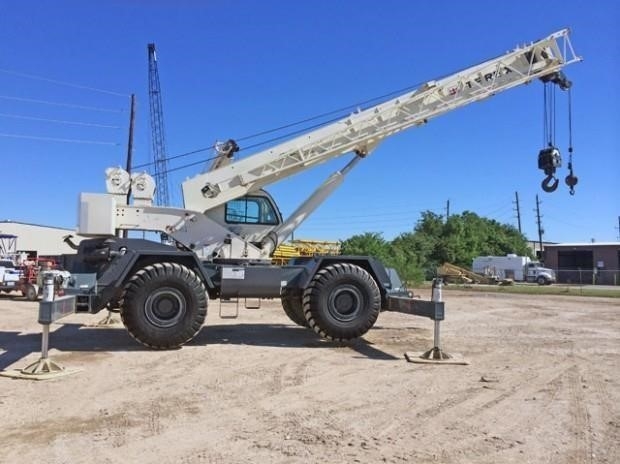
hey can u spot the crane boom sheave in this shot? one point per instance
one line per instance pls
(362, 131)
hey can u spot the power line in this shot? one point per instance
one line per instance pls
(199, 150)
(59, 121)
(66, 105)
(309, 224)
(383, 97)
(290, 134)
(190, 164)
(561, 221)
(286, 126)
(66, 84)
(55, 139)
(273, 139)
(378, 217)
(497, 209)
(329, 113)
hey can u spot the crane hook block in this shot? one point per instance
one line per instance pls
(558, 78)
(549, 159)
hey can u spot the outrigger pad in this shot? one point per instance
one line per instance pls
(43, 369)
(435, 356)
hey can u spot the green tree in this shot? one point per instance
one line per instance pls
(368, 244)
(464, 236)
(434, 241)
(410, 254)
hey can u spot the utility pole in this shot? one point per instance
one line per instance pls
(540, 229)
(618, 228)
(447, 210)
(518, 210)
(132, 120)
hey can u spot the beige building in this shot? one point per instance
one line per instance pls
(45, 240)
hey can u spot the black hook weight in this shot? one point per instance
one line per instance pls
(571, 180)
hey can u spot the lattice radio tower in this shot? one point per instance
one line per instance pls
(158, 138)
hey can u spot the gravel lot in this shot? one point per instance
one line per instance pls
(543, 386)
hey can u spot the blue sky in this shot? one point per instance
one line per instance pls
(230, 69)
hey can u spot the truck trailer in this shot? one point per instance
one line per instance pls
(511, 266)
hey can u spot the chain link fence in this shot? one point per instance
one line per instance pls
(588, 276)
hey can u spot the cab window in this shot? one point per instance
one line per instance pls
(251, 210)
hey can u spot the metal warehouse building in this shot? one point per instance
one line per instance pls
(45, 240)
(585, 263)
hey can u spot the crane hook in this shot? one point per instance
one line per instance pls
(549, 186)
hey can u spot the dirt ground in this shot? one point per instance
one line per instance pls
(543, 386)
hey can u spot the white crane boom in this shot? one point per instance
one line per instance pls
(363, 130)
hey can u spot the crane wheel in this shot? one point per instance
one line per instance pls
(342, 302)
(164, 305)
(294, 309)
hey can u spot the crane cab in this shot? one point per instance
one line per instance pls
(250, 217)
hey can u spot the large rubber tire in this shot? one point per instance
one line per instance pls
(164, 305)
(294, 309)
(541, 280)
(342, 302)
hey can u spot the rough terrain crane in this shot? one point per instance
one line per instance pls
(229, 226)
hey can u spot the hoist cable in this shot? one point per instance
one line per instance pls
(570, 124)
(545, 119)
(553, 127)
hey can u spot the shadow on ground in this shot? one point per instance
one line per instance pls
(83, 338)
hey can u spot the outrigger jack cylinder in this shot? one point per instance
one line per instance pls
(436, 353)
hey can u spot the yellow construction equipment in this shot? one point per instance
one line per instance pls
(304, 247)
(451, 273)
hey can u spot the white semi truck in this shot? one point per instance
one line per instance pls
(511, 266)
(226, 233)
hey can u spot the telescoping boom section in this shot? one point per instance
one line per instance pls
(363, 130)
